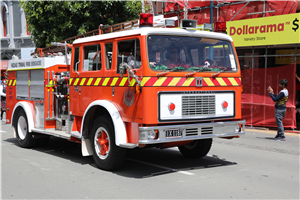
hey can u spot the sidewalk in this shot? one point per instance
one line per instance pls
(270, 131)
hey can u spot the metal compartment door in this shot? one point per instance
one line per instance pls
(37, 84)
(22, 84)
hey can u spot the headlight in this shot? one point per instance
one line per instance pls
(151, 135)
(237, 128)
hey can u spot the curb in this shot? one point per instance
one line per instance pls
(270, 130)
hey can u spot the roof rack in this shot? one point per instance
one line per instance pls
(103, 29)
(66, 44)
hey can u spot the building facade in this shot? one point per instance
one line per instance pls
(13, 30)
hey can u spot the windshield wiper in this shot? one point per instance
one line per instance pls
(169, 70)
(213, 75)
(195, 71)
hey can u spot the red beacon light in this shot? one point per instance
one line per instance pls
(146, 20)
(220, 26)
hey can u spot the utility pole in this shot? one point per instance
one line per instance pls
(211, 49)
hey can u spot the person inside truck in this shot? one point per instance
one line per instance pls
(173, 57)
(134, 61)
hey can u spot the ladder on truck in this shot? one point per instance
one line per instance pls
(158, 22)
(103, 29)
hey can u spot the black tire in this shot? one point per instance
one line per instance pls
(196, 149)
(25, 138)
(107, 155)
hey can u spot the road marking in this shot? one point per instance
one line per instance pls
(2, 131)
(162, 167)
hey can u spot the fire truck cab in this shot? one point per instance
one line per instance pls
(145, 87)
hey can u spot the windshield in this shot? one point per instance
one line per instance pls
(167, 52)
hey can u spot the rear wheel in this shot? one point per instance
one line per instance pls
(196, 149)
(24, 137)
(106, 153)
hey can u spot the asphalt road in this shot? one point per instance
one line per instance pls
(251, 167)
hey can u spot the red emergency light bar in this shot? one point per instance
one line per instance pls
(220, 26)
(146, 20)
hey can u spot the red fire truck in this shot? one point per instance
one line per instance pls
(138, 88)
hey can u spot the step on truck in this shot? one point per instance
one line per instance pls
(137, 88)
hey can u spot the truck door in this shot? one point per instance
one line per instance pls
(84, 78)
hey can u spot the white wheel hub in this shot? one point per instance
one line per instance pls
(22, 127)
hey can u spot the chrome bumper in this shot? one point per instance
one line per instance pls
(192, 131)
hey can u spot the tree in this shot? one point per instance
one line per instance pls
(54, 21)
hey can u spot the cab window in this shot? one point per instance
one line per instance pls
(108, 54)
(129, 52)
(76, 58)
(92, 58)
(190, 54)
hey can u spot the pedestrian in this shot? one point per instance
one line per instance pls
(3, 98)
(280, 107)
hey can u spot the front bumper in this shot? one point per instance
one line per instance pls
(192, 131)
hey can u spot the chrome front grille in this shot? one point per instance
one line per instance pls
(191, 131)
(198, 105)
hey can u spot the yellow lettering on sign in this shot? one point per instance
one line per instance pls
(285, 60)
(281, 29)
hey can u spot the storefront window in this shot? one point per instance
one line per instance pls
(264, 66)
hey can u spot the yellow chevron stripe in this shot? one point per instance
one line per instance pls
(90, 81)
(132, 82)
(51, 82)
(97, 81)
(188, 81)
(14, 83)
(28, 82)
(105, 81)
(82, 81)
(233, 82)
(123, 81)
(9, 82)
(76, 81)
(113, 83)
(160, 81)
(70, 81)
(208, 81)
(221, 82)
(174, 81)
(144, 80)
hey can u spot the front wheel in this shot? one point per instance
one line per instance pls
(196, 149)
(24, 137)
(106, 153)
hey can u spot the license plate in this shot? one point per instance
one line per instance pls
(173, 133)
